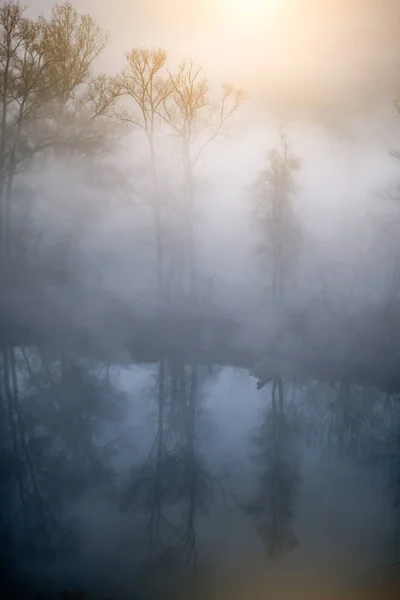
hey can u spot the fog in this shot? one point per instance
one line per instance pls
(199, 390)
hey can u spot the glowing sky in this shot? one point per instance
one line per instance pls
(305, 54)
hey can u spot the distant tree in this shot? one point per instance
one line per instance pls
(271, 194)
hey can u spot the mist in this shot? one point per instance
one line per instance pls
(199, 299)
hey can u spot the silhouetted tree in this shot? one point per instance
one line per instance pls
(276, 218)
(143, 82)
(196, 121)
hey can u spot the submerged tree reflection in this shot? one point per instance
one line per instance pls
(174, 484)
(274, 503)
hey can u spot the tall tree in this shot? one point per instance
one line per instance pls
(50, 99)
(196, 121)
(143, 83)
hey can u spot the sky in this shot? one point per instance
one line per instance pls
(310, 56)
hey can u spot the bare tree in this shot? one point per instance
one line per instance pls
(196, 121)
(77, 98)
(13, 27)
(143, 83)
(49, 98)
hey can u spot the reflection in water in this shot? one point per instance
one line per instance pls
(202, 485)
(278, 477)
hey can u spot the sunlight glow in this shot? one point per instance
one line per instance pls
(253, 5)
(246, 12)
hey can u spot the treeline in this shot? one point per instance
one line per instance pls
(55, 106)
